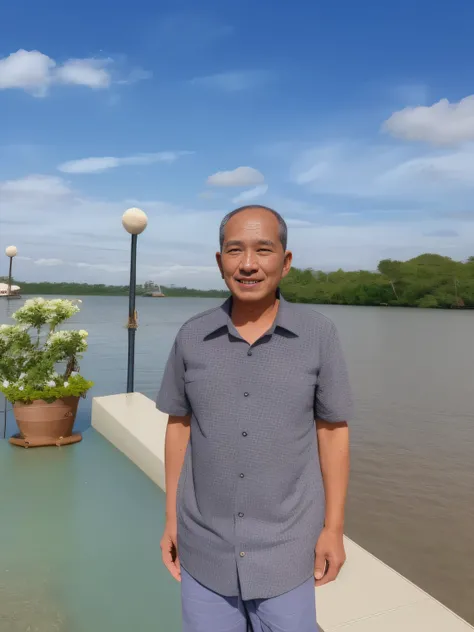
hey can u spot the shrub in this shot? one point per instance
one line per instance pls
(35, 364)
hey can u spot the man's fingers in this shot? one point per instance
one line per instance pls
(319, 565)
(171, 560)
(331, 575)
(177, 566)
(175, 570)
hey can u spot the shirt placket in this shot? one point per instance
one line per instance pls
(243, 432)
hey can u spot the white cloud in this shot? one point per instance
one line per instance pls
(240, 177)
(35, 72)
(97, 165)
(28, 70)
(435, 177)
(134, 76)
(102, 267)
(443, 123)
(251, 194)
(440, 169)
(85, 72)
(49, 262)
(36, 185)
(236, 81)
(297, 223)
(318, 171)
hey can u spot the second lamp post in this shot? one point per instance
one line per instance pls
(134, 221)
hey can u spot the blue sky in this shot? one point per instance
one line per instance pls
(355, 120)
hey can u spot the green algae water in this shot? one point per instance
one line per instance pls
(79, 543)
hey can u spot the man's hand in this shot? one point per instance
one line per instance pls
(169, 551)
(330, 556)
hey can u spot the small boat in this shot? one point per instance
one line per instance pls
(156, 293)
(9, 292)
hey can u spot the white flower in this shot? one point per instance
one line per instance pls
(22, 376)
(74, 373)
(66, 384)
(83, 333)
(5, 383)
(21, 388)
(51, 383)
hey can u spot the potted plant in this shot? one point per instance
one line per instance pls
(39, 370)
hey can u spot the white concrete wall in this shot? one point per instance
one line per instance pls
(368, 596)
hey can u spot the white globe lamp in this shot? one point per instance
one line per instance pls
(10, 251)
(134, 221)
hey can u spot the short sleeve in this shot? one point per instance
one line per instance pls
(333, 400)
(172, 398)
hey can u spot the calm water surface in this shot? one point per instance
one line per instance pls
(411, 500)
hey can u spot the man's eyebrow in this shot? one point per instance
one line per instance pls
(233, 242)
(260, 242)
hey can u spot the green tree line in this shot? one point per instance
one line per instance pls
(429, 280)
(45, 288)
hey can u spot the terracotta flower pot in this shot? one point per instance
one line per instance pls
(40, 421)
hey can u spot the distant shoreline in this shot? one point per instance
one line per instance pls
(427, 281)
(85, 289)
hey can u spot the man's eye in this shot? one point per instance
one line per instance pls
(264, 250)
(233, 250)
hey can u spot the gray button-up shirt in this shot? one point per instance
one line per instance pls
(250, 500)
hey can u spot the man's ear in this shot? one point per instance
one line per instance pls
(219, 263)
(287, 262)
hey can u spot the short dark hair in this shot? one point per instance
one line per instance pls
(283, 228)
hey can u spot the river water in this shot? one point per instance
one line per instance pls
(411, 500)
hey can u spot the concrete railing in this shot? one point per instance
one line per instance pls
(368, 596)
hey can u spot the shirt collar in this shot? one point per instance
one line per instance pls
(285, 318)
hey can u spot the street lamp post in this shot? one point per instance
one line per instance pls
(11, 252)
(134, 221)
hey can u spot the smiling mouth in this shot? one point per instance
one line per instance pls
(247, 281)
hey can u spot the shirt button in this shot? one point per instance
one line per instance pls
(244, 434)
(246, 394)
(242, 475)
(249, 352)
(241, 515)
(242, 554)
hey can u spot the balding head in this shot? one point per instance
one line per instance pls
(282, 227)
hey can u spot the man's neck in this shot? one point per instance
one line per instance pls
(247, 313)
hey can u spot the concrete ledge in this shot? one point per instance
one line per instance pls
(132, 424)
(368, 596)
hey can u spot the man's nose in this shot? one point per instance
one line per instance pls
(248, 262)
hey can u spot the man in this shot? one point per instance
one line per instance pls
(256, 445)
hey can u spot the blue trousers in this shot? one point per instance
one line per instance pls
(207, 611)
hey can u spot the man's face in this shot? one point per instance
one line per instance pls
(253, 261)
